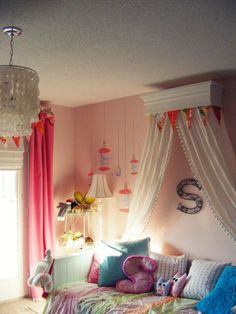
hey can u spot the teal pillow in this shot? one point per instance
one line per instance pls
(112, 256)
(223, 297)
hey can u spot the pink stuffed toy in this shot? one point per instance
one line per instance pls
(139, 270)
(178, 283)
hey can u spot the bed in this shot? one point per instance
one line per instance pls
(73, 293)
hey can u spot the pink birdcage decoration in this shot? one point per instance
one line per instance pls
(125, 192)
(134, 165)
(104, 152)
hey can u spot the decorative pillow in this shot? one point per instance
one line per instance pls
(162, 287)
(112, 256)
(178, 283)
(94, 270)
(138, 269)
(168, 266)
(223, 297)
(203, 275)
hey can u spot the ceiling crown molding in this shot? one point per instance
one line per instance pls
(188, 96)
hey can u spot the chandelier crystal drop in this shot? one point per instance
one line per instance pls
(19, 94)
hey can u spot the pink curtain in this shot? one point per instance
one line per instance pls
(41, 212)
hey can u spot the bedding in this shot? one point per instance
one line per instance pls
(83, 298)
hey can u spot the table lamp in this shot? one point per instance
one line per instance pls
(99, 189)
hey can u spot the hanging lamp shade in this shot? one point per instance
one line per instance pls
(19, 94)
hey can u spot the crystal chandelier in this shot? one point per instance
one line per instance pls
(19, 101)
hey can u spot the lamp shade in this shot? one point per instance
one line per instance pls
(19, 101)
(99, 187)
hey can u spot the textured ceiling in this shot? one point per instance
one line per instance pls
(88, 51)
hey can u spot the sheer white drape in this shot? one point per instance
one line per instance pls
(211, 158)
(213, 162)
(153, 165)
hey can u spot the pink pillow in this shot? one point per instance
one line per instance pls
(178, 283)
(94, 270)
(139, 270)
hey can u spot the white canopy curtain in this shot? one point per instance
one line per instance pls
(153, 165)
(210, 155)
(213, 163)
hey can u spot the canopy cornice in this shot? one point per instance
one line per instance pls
(188, 96)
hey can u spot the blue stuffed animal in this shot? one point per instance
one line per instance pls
(162, 287)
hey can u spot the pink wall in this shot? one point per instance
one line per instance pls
(198, 235)
(64, 162)
(89, 138)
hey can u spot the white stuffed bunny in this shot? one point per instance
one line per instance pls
(40, 276)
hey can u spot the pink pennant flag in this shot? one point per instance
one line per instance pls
(16, 140)
(173, 115)
(3, 139)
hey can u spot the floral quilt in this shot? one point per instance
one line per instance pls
(86, 298)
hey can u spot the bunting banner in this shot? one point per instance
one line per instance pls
(3, 139)
(16, 140)
(160, 119)
(188, 116)
(173, 115)
(217, 112)
(46, 112)
(40, 126)
(204, 110)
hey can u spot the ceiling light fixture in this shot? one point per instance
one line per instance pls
(19, 101)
